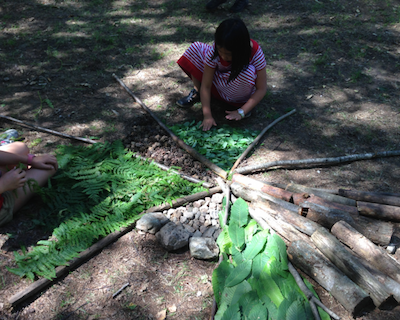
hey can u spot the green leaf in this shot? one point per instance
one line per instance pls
(232, 313)
(224, 241)
(236, 234)
(250, 230)
(270, 288)
(219, 277)
(256, 245)
(238, 274)
(248, 301)
(231, 295)
(259, 312)
(239, 212)
(259, 263)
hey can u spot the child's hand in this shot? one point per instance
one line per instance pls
(208, 123)
(13, 179)
(233, 115)
(46, 162)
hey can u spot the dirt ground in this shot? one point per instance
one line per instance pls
(335, 62)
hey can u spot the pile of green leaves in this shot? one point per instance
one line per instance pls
(253, 280)
(222, 145)
(96, 191)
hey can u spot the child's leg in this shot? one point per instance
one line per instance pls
(41, 176)
(19, 148)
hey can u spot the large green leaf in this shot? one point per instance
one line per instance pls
(248, 301)
(282, 309)
(236, 234)
(296, 311)
(239, 213)
(250, 230)
(224, 241)
(259, 263)
(259, 312)
(231, 295)
(239, 273)
(232, 313)
(256, 245)
(270, 288)
(272, 309)
(219, 277)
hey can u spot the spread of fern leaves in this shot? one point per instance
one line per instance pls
(96, 191)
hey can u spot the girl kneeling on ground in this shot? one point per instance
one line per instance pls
(39, 168)
(231, 70)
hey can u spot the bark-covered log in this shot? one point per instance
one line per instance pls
(379, 232)
(248, 194)
(262, 187)
(382, 198)
(331, 247)
(310, 261)
(324, 216)
(299, 222)
(366, 249)
(281, 227)
(299, 198)
(297, 188)
(379, 211)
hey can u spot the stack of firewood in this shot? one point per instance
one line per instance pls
(335, 237)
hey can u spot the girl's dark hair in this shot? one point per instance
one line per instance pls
(232, 35)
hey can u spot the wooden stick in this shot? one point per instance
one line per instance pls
(310, 296)
(258, 138)
(318, 267)
(56, 133)
(379, 211)
(318, 161)
(222, 173)
(43, 283)
(392, 199)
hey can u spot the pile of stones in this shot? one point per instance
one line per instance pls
(194, 226)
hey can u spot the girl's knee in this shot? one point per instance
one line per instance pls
(17, 147)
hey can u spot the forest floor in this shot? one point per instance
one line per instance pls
(335, 62)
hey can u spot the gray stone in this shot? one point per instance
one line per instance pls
(170, 212)
(212, 206)
(204, 209)
(173, 237)
(203, 248)
(188, 214)
(202, 229)
(197, 234)
(195, 210)
(207, 200)
(214, 214)
(216, 234)
(189, 229)
(202, 218)
(152, 222)
(196, 224)
(217, 198)
(207, 222)
(209, 232)
(182, 219)
(214, 222)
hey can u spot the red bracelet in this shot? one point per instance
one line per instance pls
(30, 158)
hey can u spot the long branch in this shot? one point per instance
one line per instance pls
(317, 161)
(222, 173)
(258, 138)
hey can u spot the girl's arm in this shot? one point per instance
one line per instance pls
(205, 97)
(45, 162)
(261, 90)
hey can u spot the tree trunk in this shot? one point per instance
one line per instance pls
(248, 194)
(341, 258)
(324, 216)
(297, 188)
(382, 198)
(281, 227)
(379, 211)
(379, 232)
(351, 296)
(299, 198)
(263, 187)
(299, 222)
(366, 249)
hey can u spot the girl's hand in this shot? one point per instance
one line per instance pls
(46, 162)
(233, 115)
(13, 179)
(208, 123)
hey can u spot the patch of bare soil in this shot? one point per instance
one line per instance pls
(336, 63)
